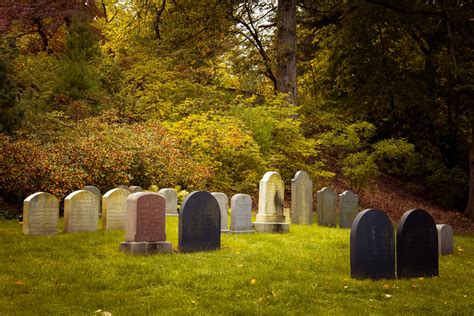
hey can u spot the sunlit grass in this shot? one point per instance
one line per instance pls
(306, 271)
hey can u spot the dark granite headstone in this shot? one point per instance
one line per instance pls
(199, 223)
(372, 246)
(417, 245)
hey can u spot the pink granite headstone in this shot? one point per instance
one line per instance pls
(145, 217)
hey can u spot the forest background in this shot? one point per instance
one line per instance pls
(211, 94)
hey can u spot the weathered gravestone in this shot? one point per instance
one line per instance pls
(40, 214)
(223, 201)
(145, 221)
(301, 199)
(326, 204)
(96, 192)
(81, 212)
(445, 239)
(372, 246)
(122, 186)
(270, 217)
(114, 206)
(241, 214)
(417, 245)
(349, 208)
(199, 223)
(171, 198)
(135, 188)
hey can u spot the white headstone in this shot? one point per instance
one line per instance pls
(301, 199)
(270, 216)
(223, 201)
(40, 214)
(171, 198)
(114, 206)
(81, 212)
(349, 208)
(326, 204)
(241, 214)
(445, 239)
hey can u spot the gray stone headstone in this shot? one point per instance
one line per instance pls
(417, 245)
(445, 239)
(199, 223)
(326, 204)
(145, 222)
(241, 214)
(302, 199)
(171, 198)
(122, 186)
(223, 201)
(135, 189)
(40, 214)
(372, 246)
(94, 190)
(349, 208)
(114, 206)
(270, 217)
(81, 212)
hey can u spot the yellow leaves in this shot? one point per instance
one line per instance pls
(253, 281)
(460, 249)
(193, 302)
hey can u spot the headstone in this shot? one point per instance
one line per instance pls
(122, 186)
(199, 223)
(417, 245)
(326, 203)
(135, 188)
(302, 199)
(270, 217)
(171, 198)
(445, 239)
(145, 221)
(94, 190)
(114, 206)
(223, 201)
(40, 214)
(81, 212)
(372, 246)
(241, 214)
(349, 208)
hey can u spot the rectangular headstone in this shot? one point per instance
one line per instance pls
(241, 214)
(40, 214)
(223, 201)
(114, 206)
(445, 239)
(81, 212)
(326, 202)
(302, 199)
(349, 208)
(171, 198)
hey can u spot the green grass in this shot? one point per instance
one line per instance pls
(304, 272)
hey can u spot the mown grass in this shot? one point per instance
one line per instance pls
(304, 272)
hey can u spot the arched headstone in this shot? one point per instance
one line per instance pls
(270, 217)
(301, 199)
(145, 222)
(135, 188)
(94, 190)
(171, 198)
(326, 204)
(445, 239)
(417, 245)
(223, 201)
(241, 214)
(199, 223)
(40, 214)
(348, 207)
(372, 246)
(81, 212)
(114, 206)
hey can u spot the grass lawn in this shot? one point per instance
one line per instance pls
(304, 272)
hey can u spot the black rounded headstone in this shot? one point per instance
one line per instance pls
(417, 245)
(372, 246)
(199, 223)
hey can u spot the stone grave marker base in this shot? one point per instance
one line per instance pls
(263, 227)
(141, 248)
(241, 231)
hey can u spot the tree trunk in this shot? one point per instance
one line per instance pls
(286, 48)
(469, 213)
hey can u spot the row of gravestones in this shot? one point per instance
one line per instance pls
(419, 241)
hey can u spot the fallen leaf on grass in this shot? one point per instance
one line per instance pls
(386, 286)
(388, 295)
(345, 286)
(421, 279)
(460, 249)
(193, 301)
(19, 282)
(253, 281)
(413, 285)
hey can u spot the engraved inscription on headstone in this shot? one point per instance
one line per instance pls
(40, 214)
(302, 199)
(417, 245)
(349, 207)
(114, 205)
(199, 223)
(241, 214)
(372, 246)
(223, 201)
(81, 212)
(445, 239)
(171, 198)
(326, 207)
